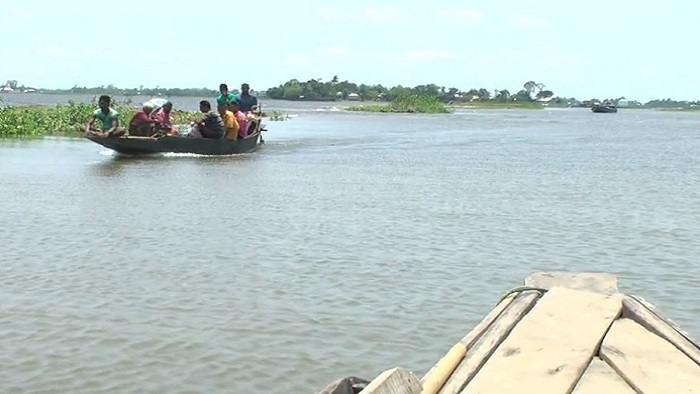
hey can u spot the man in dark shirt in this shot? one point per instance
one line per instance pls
(247, 101)
(211, 125)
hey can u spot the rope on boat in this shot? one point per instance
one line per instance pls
(521, 289)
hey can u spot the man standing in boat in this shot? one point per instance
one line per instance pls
(109, 118)
(225, 96)
(247, 101)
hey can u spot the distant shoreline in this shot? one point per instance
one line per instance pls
(347, 103)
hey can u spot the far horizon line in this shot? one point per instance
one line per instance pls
(141, 88)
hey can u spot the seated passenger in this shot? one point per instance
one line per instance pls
(230, 122)
(141, 124)
(247, 101)
(241, 119)
(210, 126)
(162, 118)
(109, 118)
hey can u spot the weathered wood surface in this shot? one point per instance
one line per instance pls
(443, 369)
(430, 380)
(486, 345)
(548, 351)
(649, 363)
(600, 378)
(590, 281)
(394, 381)
(645, 315)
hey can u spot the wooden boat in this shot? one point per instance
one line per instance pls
(604, 108)
(561, 333)
(132, 145)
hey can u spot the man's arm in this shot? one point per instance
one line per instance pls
(115, 123)
(88, 125)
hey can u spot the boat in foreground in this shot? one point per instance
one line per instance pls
(132, 145)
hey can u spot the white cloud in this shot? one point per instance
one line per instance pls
(386, 14)
(332, 15)
(420, 55)
(58, 52)
(460, 15)
(295, 60)
(17, 13)
(371, 14)
(525, 21)
(334, 51)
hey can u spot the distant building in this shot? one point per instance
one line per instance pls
(353, 96)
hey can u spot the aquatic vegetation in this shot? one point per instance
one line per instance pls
(69, 119)
(275, 116)
(409, 103)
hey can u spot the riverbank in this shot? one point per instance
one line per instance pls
(575, 323)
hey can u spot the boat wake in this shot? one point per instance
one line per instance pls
(168, 155)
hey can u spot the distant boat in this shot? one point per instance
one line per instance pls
(604, 108)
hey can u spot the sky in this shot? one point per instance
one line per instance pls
(576, 49)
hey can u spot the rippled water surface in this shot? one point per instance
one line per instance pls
(349, 244)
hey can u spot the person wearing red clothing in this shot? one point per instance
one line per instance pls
(141, 124)
(162, 118)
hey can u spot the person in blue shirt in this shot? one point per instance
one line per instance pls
(247, 101)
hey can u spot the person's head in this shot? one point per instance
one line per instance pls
(245, 88)
(204, 106)
(167, 107)
(223, 89)
(234, 106)
(104, 101)
(148, 108)
(222, 108)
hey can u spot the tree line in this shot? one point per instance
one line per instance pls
(336, 90)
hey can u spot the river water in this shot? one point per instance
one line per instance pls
(349, 244)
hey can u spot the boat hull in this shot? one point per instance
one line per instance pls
(201, 146)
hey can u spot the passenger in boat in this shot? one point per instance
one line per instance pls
(141, 124)
(109, 118)
(225, 96)
(247, 101)
(210, 126)
(162, 118)
(230, 123)
(240, 117)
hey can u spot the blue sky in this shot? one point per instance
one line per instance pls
(580, 49)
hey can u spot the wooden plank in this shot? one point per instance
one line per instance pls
(649, 363)
(600, 378)
(550, 348)
(480, 351)
(468, 340)
(646, 315)
(394, 381)
(597, 282)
